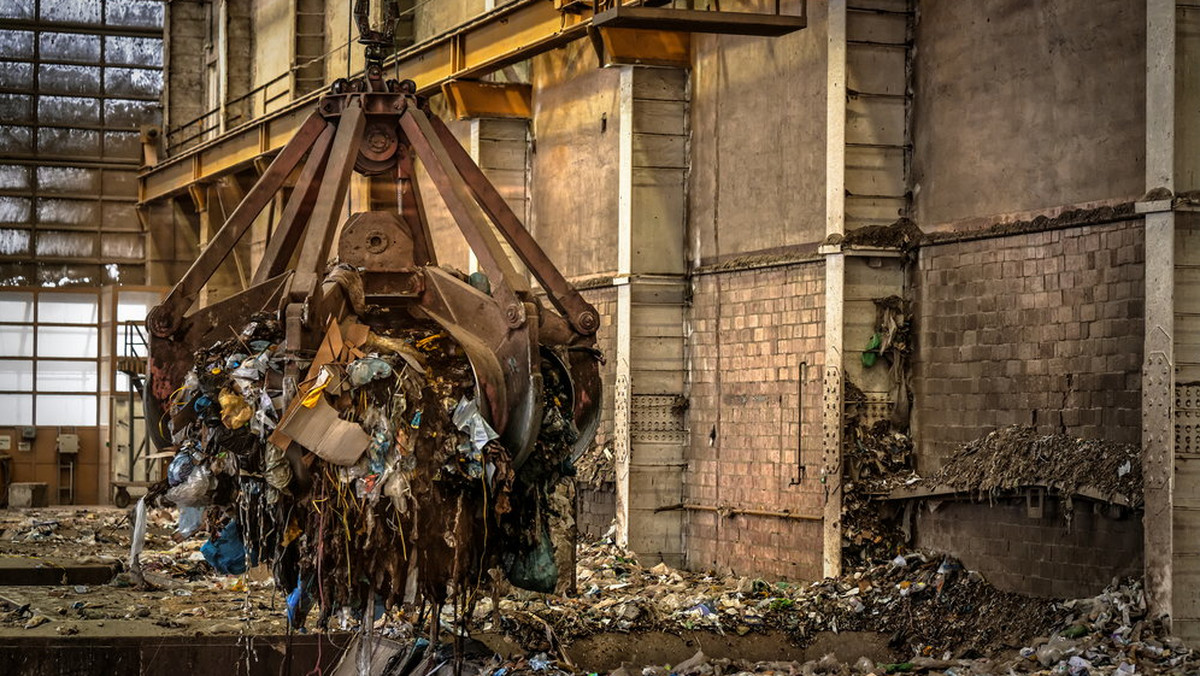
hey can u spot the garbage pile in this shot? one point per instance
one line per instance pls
(877, 458)
(1018, 456)
(928, 605)
(940, 618)
(365, 475)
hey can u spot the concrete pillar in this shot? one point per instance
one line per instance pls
(1158, 386)
(835, 277)
(649, 432)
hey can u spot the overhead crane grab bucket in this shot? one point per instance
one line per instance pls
(376, 128)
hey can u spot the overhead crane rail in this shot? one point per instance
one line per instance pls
(450, 61)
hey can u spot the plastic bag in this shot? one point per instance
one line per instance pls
(181, 466)
(190, 520)
(193, 492)
(468, 419)
(225, 551)
(363, 371)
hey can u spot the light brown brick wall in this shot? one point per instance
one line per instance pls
(1037, 328)
(750, 332)
(605, 301)
(1037, 555)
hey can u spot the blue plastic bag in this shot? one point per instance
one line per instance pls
(225, 551)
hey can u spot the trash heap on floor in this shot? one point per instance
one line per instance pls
(365, 475)
(940, 617)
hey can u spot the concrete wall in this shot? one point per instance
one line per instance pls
(749, 411)
(1040, 555)
(574, 161)
(1041, 328)
(1187, 93)
(758, 141)
(1024, 105)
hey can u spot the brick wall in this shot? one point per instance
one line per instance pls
(595, 508)
(1041, 556)
(751, 331)
(596, 499)
(605, 301)
(1040, 328)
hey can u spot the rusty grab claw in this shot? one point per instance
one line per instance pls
(377, 128)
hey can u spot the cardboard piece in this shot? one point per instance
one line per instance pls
(319, 429)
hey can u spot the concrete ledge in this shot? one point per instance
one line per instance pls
(28, 494)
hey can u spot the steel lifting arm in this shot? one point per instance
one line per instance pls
(294, 217)
(565, 298)
(166, 318)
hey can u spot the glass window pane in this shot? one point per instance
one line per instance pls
(114, 245)
(67, 341)
(14, 177)
(58, 79)
(68, 110)
(67, 212)
(16, 306)
(69, 308)
(71, 11)
(68, 179)
(67, 376)
(120, 216)
(134, 275)
(139, 82)
(16, 375)
(14, 210)
(15, 139)
(16, 341)
(66, 409)
(66, 244)
(70, 47)
(15, 74)
(69, 142)
(117, 183)
(16, 409)
(122, 145)
(120, 113)
(20, 9)
(148, 13)
(15, 44)
(132, 306)
(16, 107)
(14, 242)
(59, 276)
(119, 49)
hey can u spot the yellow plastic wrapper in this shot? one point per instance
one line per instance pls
(235, 412)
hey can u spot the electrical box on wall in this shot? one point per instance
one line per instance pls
(68, 444)
(5, 442)
(28, 432)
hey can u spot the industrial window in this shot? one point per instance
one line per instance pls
(49, 357)
(79, 80)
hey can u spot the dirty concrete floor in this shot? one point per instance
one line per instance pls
(923, 609)
(190, 600)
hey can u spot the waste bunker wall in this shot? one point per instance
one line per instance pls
(1041, 326)
(752, 495)
(1036, 551)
